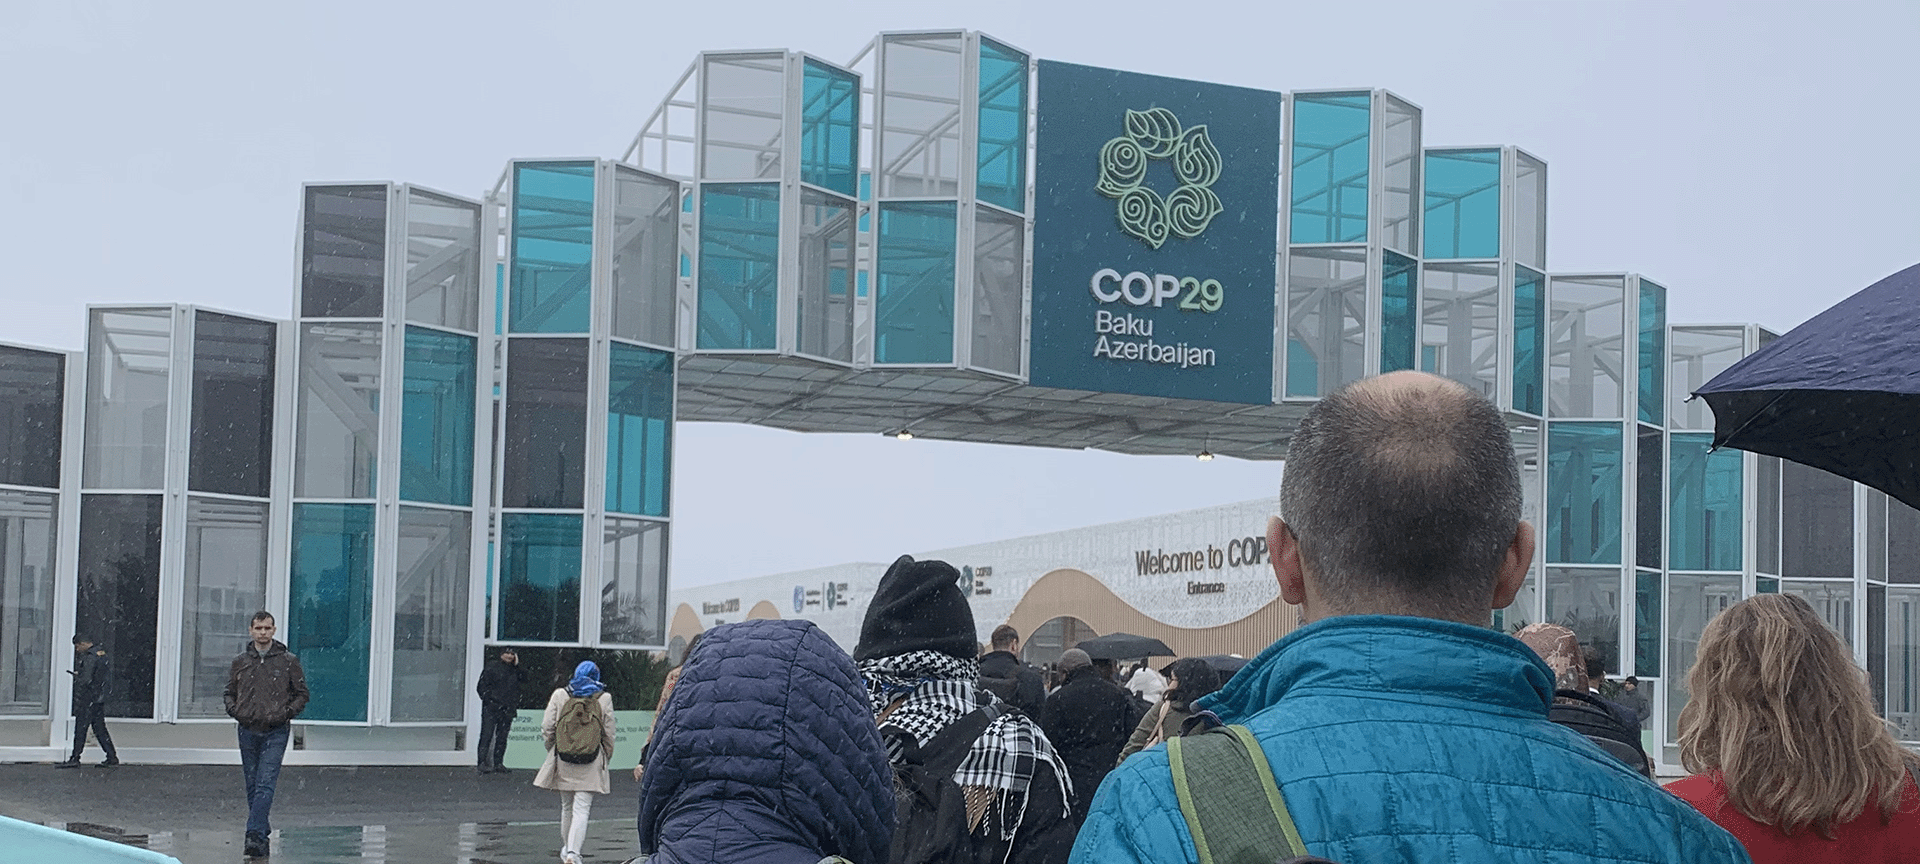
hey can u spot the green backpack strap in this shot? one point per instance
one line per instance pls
(1219, 775)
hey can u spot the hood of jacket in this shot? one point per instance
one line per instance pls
(768, 753)
(277, 648)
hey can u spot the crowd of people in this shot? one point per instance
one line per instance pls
(1392, 726)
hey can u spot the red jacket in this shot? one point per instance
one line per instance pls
(1865, 840)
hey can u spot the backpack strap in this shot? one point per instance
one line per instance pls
(1219, 775)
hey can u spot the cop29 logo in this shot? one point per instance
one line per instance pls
(1151, 135)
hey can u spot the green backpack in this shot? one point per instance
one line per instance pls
(577, 732)
(1219, 776)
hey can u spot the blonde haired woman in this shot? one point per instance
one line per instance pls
(1788, 752)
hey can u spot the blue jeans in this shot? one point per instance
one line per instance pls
(260, 755)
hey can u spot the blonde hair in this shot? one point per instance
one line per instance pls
(1781, 711)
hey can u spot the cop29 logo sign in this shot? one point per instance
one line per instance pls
(1156, 134)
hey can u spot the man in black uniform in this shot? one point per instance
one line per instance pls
(499, 690)
(91, 672)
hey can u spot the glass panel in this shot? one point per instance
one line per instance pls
(633, 583)
(225, 583)
(1903, 661)
(639, 429)
(745, 99)
(999, 292)
(539, 577)
(646, 253)
(436, 418)
(919, 146)
(1586, 371)
(1766, 585)
(1530, 211)
(1903, 543)
(1588, 603)
(1583, 493)
(443, 261)
(129, 353)
(1463, 204)
(546, 428)
(551, 288)
(330, 606)
(1707, 511)
(913, 292)
(1002, 177)
(739, 266)
(1699, 353)
(1399, 319)
(1877, 645)
(1527, 446)
(29, 523)
(1326, 319)
(1816, 523)
(1460, 328)
(118, 606)
(430, 615)
(232, 439)
(1653, 350)
(1329, 184)
(1832, 600)
(1529, 340)
(337, 439)
(343, 252)
(1646, 624)
(1649, 511)
(826, 277)
(1692, 602)
(829, 127)
(1766, 532)
(1873, 534)
(32, 402)
(1400, 159)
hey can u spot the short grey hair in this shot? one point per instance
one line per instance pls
(1403, 498)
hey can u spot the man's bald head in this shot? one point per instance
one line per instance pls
(1404, 498)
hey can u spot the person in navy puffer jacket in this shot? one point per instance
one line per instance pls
(767, 753)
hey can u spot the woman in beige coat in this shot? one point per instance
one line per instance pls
(576, 783)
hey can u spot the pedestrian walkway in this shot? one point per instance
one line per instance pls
(372, 815)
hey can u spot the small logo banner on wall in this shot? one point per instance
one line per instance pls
(1154, 248)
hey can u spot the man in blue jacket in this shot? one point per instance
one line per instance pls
(1398, 726)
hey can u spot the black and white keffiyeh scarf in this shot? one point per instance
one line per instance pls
(939, 689)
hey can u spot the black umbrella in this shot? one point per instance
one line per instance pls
(1124, 646)
(1225, 664)
(1840, 393)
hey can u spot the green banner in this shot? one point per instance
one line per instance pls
(524, 749)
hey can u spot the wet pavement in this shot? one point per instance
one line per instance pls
(321, 815)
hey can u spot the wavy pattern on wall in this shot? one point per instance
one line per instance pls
(1073, 593)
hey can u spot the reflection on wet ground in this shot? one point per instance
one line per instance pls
(608, 841)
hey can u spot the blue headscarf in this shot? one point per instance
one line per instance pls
(586, 680)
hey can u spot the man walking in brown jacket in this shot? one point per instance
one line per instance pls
(266, 689)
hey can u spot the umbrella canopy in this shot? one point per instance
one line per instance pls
(1225, 664)
(1124, 646)
(1840, 393)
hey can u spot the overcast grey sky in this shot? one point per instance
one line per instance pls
(1757, 158)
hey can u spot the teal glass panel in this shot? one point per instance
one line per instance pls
(552, 247)
(639, 429)
(866, 216)
(1653, 352)
(1584, 493)
(1399, 316)
(1704, 493)
(539, 577)
(1646, 624)
(739, 266)
(1529, 340)
(1002, 177)
(913, 290)
(829, 127)
(436, 418)
(1766, 585)
(330, 606)
(1463, 204)
(499, 298)
(1329, 200)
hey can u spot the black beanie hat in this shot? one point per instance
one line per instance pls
(918, 607)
